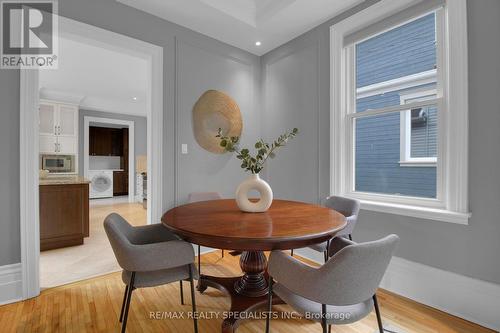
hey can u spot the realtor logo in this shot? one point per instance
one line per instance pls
(28, 34)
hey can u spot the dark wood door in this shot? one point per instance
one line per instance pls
(125, 149)
(106, 141)
(100, 142)
(120, 183)
(116, 142)
(93, 133)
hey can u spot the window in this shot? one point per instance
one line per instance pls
(418, 136)
(394, 144)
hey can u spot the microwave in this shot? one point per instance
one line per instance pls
(58, 163)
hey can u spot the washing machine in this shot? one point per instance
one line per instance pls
(101, 184)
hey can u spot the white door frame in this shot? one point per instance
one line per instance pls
(131, 148)
(29, 95)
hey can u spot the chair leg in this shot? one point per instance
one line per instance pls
(199, 259)
(377, 312)
(291, 252)
(123, 303)
(269, 304)
(329, 328)
(323, 318)
(193, 300)
(222, 253)
(182, 292)
(127, 305)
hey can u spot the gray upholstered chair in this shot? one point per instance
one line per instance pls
(203, 196)
(150, 256)
(342, 291)
(347, 207)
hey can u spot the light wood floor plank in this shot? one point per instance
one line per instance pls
(94, 305)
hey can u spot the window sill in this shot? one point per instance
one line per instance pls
(416, 211)
(417, 164)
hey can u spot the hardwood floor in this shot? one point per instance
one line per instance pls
(94, 305)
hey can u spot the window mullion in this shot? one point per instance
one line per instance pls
(394, 109)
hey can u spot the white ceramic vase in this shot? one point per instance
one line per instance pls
(253, 182)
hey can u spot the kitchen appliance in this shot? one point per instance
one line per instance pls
(101, 183)
(58, 163)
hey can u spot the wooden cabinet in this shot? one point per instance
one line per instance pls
(99, 141)
(117, 142)
(120, 183)
(64, 215)
(105, 141)
(58, 128)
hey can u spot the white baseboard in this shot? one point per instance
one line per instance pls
(204, 250)
(11, 286)
(471, 299)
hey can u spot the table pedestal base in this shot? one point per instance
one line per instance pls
(248, 292)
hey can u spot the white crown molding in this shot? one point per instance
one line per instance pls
(93, 103)
(61, 96)
(272, 22)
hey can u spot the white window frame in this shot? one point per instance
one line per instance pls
(451, 204)
(405, 132)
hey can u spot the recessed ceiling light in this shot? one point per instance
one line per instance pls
(134, 98)
(258, 43)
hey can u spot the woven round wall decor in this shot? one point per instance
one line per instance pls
(214, 110)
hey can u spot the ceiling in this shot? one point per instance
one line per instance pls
(241, 23)
(97, 78)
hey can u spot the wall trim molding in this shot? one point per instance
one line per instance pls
(462, 296)
(179, 42)
(283, 54)
(29, 95)
(11, 283)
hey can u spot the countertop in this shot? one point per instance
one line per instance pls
(64, 180)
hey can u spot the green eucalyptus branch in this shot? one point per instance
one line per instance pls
(255, 163)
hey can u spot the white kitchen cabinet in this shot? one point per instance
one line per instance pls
(47, 116)
(67, 120)
(58, 128)
(47, 144)
(67, 145)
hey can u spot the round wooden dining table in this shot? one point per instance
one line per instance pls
(220, 224)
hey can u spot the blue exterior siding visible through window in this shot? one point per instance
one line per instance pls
(394, 54)
(406, 50)
(378, 154)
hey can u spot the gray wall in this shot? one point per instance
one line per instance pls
(216, 65)
(296, 88)
(303, 102)
(201, 170)
(140, 126)
(9, 167)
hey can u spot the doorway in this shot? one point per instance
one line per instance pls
(29, 128)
